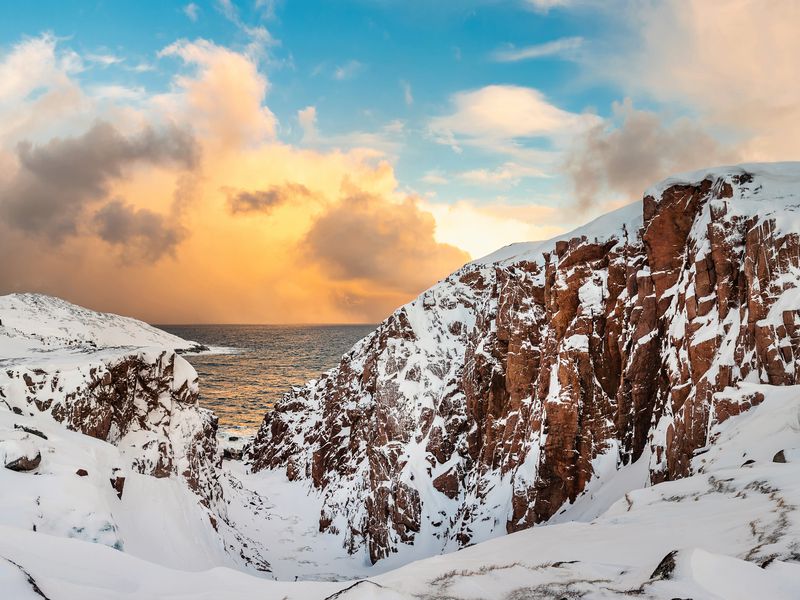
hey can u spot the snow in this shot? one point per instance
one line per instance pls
(731, 528)
(612, 224)
(723, 527)
(36, 323)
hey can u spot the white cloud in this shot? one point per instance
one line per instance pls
(117, 92)
(142, 67)
(192, 11)
(561, 47)
(229, 10)
(434, 177)
(266, 7)
(407, 95)
(308, 121)
(509, 173)
(546, 5)
(495, 116)
(260, 37)
(235, 118)
(347, 71)
(735, 63)
(104, 60)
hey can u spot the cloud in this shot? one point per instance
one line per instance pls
(144, 203)
(481, 228)
(407, 95)
(495, 115)
(228, 10)
(266, 8)
(546, 5)
(308, 122)
(104, 60)
(347, 70)
(435, 177)
(139, 232)
(363, 237)
(224, 94)
(192, 11)
(265, 201)
(733, 63)
(509, 173)
(58, 179)
(635, 149)
(561, 47)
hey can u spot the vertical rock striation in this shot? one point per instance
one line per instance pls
(484, 405)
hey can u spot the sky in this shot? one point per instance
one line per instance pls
(286, 161)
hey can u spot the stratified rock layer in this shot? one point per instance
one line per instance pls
(485, 405)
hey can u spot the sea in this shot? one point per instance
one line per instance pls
(254, 365)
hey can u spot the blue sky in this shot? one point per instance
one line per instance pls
(364, 65)
(288, 161)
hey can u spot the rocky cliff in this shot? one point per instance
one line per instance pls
(492, 400)
(121, 381)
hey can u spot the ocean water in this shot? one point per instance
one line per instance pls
(263, 362)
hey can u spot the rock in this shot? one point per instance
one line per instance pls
(25, 463)
(780, 457)
(665, 567)
(81, 472)
(118, 483)
(520, 373)
(30, 430)
(232, 453)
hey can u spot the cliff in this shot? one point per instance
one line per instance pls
(493, 400)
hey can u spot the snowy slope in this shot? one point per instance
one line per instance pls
(34, 323)
(729, 533)
(126, 456)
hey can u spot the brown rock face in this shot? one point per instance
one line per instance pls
(484, 404)
(135, 393)
(24, 463)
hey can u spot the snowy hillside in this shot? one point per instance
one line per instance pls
(728, 533)
(140, 467)
(34, 323)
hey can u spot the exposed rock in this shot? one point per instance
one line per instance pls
(501, 386)
(118, 483)
(780, 457)
(81, 472)
(25, 463)
(31, 430)
(665, 567)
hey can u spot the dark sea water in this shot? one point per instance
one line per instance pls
(265, 361)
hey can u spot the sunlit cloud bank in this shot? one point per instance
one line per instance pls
(192, 201)
(184, 206)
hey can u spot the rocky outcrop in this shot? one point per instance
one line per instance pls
(485, 405)
(121, 381)
(143, 401)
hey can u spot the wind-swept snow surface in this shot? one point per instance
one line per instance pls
(730, 532)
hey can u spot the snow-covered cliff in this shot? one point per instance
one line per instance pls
(121, 383)
(504, 392)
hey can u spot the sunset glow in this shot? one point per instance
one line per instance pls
(296, 162)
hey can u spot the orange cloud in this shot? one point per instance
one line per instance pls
(189, 209)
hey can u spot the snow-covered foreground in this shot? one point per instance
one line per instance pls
(730, 531)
